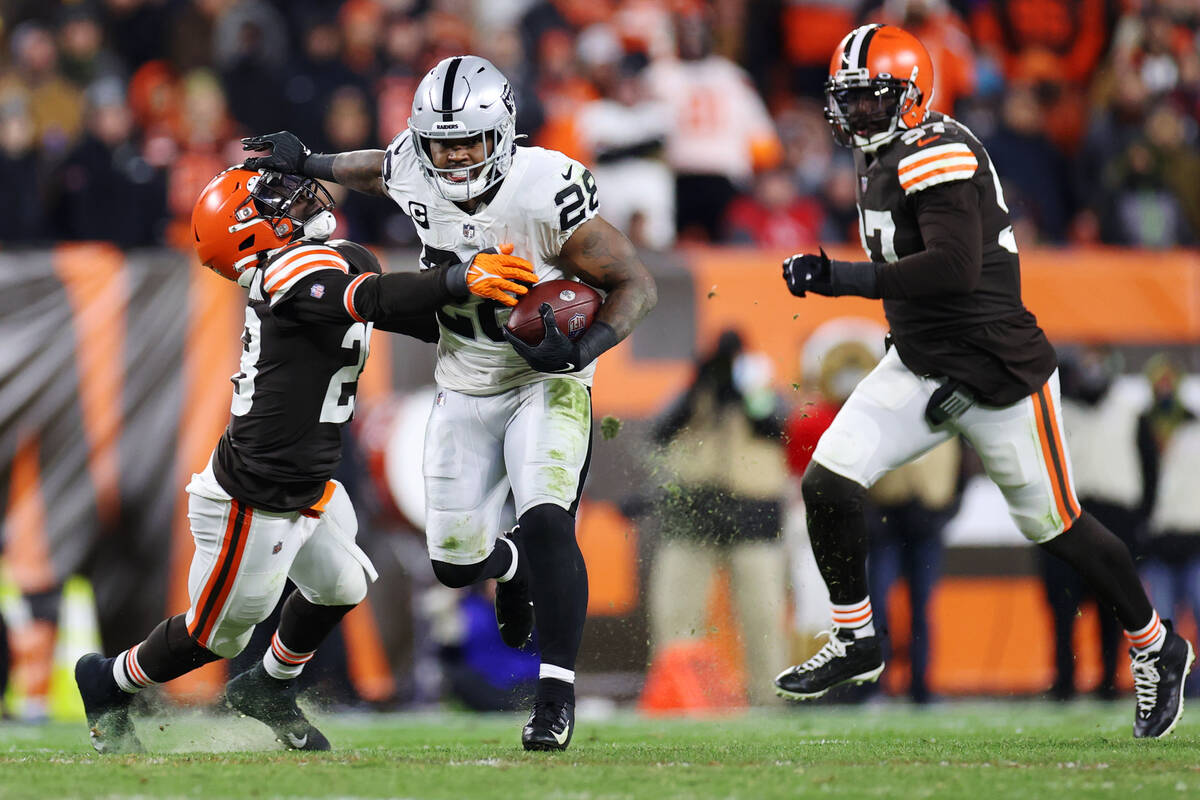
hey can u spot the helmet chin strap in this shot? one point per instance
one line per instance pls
(319, 226)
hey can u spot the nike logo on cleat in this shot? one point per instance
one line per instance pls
(561, 738)
(298, 742)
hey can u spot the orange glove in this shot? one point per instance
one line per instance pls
(491, 275)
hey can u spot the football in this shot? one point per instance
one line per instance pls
(574, 307)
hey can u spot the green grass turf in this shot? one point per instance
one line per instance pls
(1024, 749)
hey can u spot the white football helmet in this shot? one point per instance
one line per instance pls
(465, 96)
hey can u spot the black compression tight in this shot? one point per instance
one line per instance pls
(838, 532)
(1103, 560)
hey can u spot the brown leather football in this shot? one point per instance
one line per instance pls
(574, 307)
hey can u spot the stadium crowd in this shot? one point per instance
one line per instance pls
(703, 119)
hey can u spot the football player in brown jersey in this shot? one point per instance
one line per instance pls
(967, 358)
(265, 508)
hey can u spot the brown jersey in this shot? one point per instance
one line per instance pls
(964, 321)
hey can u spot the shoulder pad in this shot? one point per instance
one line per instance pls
(292, 264)
(360, 259)
(937, 152)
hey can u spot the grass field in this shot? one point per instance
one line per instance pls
(954, 750)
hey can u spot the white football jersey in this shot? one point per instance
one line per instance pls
(540, 203)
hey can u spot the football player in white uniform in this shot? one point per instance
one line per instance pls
(508, 418)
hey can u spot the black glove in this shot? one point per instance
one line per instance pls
(807, 273)
(287, 153)
(817, 274)
(557, 353)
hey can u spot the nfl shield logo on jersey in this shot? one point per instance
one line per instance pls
(468, 231)
(862, 182)
(440, 400)
(317, 290)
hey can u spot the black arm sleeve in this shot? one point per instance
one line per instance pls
(419, 326)
(952, 261)
(401, 294)
(394, 299)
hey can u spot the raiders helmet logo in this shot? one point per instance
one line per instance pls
(509, 103)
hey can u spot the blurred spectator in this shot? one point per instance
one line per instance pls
(22, 207)
(910, 508)
(1156, 42)
(137, 29)
(775, 215)
(840, 203)
(564, 92)
(1036, 176)
(404, 50)
(106, 189)
(807, 146)
(1115, 124)
(361, 218)
(1072, 33)
(505, 49)
(720, 130)
(207, 144)
(723, 508)
(1151, 192)
(1169, 440)
(811, 29)
(251, 51)
(55, 104)
(1101, 429)
(314, 72)
(624, 130)
(945, 36)
(83, 55)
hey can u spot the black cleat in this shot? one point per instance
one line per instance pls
(107, 707)
(272, 702)
(514, 603)
(550, 726)
(1158, 680)
(843, 659)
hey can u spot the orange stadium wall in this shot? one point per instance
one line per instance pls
(147, 342)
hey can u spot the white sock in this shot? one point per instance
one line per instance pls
(1150, 638)
(129, 673)
(282, 663)
(856, 617)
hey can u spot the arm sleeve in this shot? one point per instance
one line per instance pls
(391, 298)
(952, 261)
(423, 326)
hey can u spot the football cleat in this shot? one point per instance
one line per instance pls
(272, 702)
(514, 603)
(843, 659)
(1158, 680)
(550, 725)
(106, 706)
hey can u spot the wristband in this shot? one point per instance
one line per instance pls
(319, 166)
(599, 337)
